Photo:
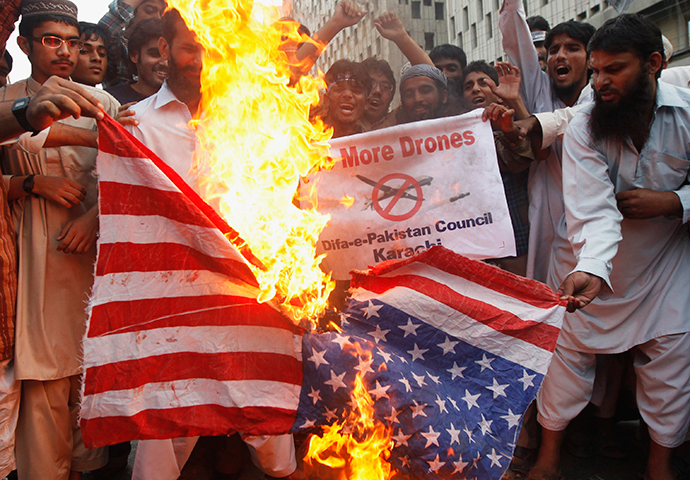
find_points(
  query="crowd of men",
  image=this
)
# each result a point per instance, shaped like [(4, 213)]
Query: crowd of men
[(593, 149)]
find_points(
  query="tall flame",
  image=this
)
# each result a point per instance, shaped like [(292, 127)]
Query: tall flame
[(359, 444), (255, 142)]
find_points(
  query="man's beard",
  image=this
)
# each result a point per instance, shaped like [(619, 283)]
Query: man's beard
[(188, 86), (628, 118)]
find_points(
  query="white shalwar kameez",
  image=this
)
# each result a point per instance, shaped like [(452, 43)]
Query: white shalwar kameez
[(545, 196), (646, 264), (164, 128)]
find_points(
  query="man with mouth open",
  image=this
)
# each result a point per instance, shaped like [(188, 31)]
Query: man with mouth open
[(624, 247), (349, 85), (564, 84), (93, 56)]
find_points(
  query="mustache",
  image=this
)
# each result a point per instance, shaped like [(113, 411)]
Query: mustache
[(69, 62)]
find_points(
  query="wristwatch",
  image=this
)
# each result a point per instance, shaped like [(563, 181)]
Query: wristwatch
[(28, 185), (19, 109)]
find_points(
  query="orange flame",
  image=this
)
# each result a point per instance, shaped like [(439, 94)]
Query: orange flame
[(360, 444), (348, 201), (255, 142)]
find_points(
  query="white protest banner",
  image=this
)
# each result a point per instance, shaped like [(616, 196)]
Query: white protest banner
[(399, 191)]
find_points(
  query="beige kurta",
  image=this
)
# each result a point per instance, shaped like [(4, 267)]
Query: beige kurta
[(53, 286)]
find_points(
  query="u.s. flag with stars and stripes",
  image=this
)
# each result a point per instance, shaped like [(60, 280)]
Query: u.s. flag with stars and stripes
[(452, 350)]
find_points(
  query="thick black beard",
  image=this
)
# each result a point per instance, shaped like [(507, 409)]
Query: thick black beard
[(563, 92), (628, 118)]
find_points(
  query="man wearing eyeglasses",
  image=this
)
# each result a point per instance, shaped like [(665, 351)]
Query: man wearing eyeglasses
[(348, 87), (53, 201)]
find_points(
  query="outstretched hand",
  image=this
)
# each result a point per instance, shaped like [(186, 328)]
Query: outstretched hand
[(579, 289), (509, 78), (59, 98)]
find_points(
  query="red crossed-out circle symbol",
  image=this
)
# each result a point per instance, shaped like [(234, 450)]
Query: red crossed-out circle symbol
[(408, 182)]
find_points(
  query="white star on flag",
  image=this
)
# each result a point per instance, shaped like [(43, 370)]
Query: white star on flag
[(435, 464), (393, 417), (317, 358), (526, 380), (379, 334), (379, 391), (372, 310), (405, 461), (468, 432), (314, 395), (401, 438), (454, 434), (436, 380), (476, 460), (471, 400), (485, 362), (441, 404), (448, 346), (406, 382), (330, 414), (456, 371), (418, 409), (336, 381), (402, 359), (485, 425), (364, 366), (494, 458), (431, 437), (459, 465), (419, 379), (386, 356), (410, 328), (454, 403), (341, 340), (417, 352), (512, 419), (309, 423), (499, 390)]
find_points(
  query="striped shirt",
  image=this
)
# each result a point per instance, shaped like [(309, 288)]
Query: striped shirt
[(8, 278)]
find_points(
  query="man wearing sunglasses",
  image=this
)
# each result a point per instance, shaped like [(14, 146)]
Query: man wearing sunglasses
[(53, 200), (349, 85)]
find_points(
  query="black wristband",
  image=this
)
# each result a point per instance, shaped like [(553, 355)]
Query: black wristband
[(28, 185), (19, 109)]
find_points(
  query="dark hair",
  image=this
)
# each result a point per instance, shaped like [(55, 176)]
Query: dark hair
[(538, 22), (170, 20), (143, 33), (374, 65), (27, 25), (449, 51), (628, 33), (343, 67), (9, 60), (92, 31), (579, 31), (483, 67)]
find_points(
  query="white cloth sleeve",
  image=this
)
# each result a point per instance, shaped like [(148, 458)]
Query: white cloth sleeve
[(592, 215), (553, 124)]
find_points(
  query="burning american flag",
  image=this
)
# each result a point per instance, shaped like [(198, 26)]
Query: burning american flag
[(451, 351)]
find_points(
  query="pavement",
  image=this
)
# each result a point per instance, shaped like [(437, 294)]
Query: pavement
[(596, 467)]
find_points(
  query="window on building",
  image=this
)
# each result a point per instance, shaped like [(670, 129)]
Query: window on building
[(581, 16), (473, 34), (427, 3), (429, 41), (378, 45), (524, 4), (452, 26), (480, 10), (499, 59), (416, 9), (544, 2), (440, 7), (465, 19), (369, 51), (497, 5), (489, 26), (459, 42), (594, 9)]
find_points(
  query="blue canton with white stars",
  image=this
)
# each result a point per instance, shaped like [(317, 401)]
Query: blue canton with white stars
[(455, 410)]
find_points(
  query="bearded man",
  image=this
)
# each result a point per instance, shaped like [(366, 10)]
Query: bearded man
[(626, 249)]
